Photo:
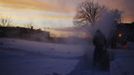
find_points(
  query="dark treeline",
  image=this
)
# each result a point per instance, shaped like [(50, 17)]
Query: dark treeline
[(24, 33)]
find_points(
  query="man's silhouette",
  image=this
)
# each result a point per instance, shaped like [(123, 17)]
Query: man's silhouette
[(101, 56)]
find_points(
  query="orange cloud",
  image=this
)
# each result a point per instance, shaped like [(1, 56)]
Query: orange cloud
[(128, 19), (33, 4), (22, 8)]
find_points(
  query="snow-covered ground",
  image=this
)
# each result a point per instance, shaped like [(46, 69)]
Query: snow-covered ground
[(123, 63), (20, 57), (44, 48)]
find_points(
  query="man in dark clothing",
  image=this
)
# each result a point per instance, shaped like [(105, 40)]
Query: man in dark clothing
[(100, 53)]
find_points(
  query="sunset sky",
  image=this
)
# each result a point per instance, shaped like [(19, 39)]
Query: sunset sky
[(55, 13)]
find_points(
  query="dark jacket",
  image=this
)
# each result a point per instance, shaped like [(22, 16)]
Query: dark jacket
[(99, 39)]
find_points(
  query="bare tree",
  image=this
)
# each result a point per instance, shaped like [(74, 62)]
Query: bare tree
[(5, 22), (88, 13)]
